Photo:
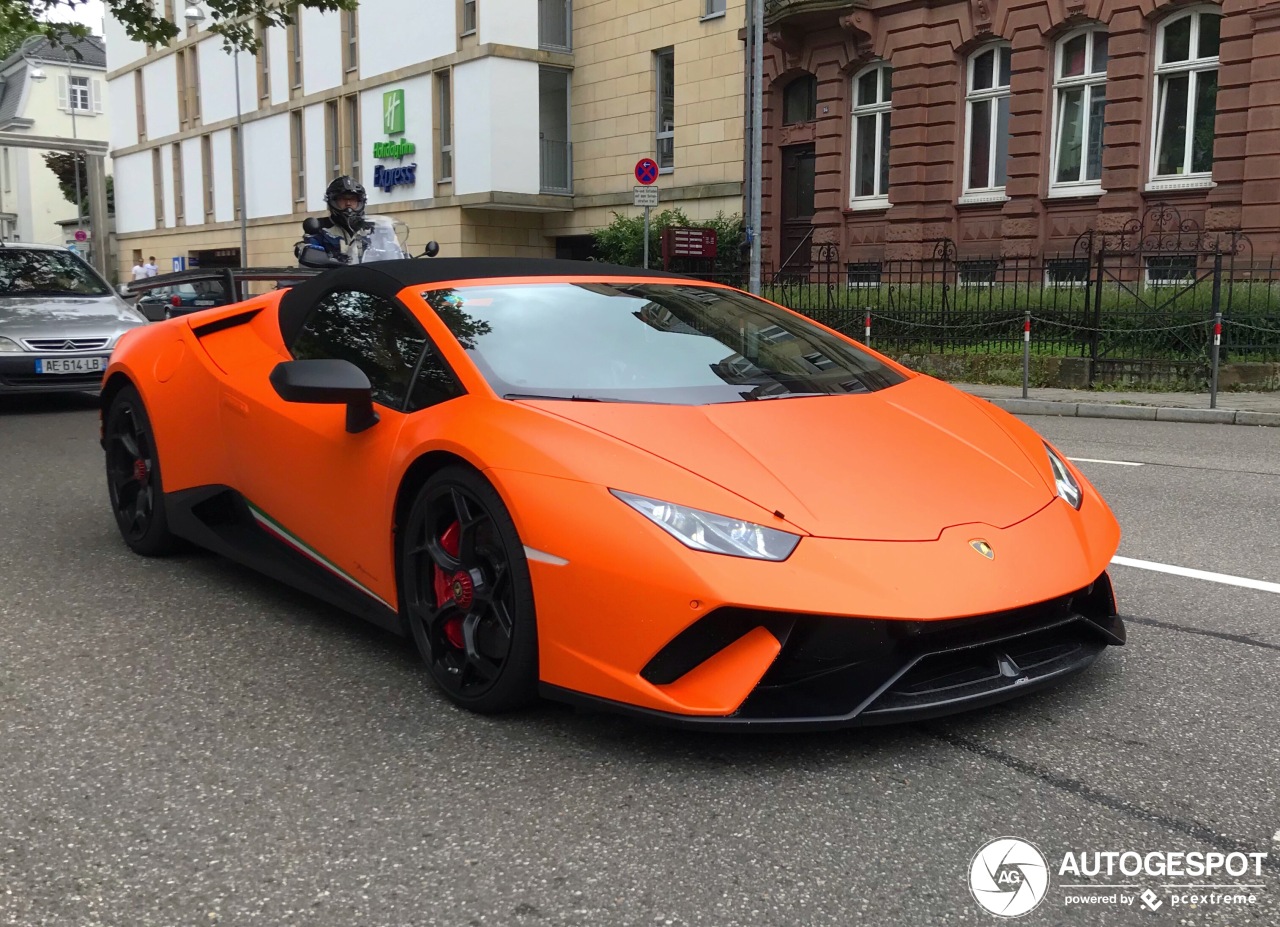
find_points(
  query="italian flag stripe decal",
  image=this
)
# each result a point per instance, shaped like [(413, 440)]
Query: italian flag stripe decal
[(292, 540)]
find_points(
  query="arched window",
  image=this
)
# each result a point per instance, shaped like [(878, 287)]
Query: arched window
[(987, 119), (1079, 104), (800, 100), (1186, 93), (869, 136)]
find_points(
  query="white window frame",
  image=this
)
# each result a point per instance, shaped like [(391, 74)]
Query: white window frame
[(73, 98), (469, 28), (1061, 85), (658, 132), (880, 110), (1193, 67), (992, 193)]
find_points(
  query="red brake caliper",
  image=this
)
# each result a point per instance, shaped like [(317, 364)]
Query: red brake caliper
[(140, 471), (456, 588)]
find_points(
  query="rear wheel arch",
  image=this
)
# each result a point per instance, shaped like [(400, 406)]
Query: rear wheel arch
[(116, 382)]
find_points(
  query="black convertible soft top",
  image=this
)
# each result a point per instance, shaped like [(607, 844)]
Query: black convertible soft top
[(387, 278)]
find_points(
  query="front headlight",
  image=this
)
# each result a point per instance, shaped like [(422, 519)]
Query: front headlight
[(716, 534), (1064, 482), (8, 346)]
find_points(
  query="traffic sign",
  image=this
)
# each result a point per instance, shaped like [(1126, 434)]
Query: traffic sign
[(82, 235), (646, 171), (644, 196)]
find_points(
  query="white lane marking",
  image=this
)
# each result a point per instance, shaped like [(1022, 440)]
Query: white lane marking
[(1118, 463), (1223, 578)]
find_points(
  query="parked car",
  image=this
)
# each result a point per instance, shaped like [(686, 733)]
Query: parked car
[(167, 296), (59, 320), (619, 488)]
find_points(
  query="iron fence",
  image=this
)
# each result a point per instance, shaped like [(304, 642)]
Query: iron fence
[(1137, 314)]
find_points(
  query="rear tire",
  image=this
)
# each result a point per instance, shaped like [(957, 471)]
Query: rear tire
[(133, 476), (467, 593)]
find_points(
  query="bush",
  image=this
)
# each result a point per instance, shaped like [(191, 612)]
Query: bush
[(622, 240)]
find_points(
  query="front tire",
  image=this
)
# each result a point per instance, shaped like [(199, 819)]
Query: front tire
[(133, 476), (467, 593)]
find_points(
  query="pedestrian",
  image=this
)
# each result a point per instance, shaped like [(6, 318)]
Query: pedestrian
[(150, 266)]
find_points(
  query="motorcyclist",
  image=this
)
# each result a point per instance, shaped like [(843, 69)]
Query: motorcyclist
[(327, 241)]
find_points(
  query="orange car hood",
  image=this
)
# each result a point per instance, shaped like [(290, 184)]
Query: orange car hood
[(901, 464)]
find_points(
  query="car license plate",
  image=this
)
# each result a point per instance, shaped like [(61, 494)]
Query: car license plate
[(204, 302), (71, 364)]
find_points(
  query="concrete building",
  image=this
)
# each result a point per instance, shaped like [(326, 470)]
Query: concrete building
[(1010, 127), (491, 126), (52, 92)]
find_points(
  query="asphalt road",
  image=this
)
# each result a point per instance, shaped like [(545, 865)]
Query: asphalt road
[(182, 742)]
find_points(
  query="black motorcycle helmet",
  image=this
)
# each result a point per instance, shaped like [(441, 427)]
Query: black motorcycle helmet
[(349, 218)]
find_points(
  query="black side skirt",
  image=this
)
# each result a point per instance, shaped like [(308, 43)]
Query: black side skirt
[(218, 518)]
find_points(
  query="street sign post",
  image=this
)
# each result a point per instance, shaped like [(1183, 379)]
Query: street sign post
[(82, 235), (646, 195)]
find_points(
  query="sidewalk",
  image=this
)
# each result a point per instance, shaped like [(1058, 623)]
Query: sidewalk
[(1233, 408)]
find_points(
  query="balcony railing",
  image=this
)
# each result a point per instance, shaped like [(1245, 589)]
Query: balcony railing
[(555, 25), (557, 166)]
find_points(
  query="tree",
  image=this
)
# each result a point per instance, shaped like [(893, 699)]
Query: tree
[(64, 163), (234, 20), (10, 42)]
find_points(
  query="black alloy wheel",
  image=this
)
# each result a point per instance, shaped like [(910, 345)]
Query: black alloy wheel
[(467, 593), (133, 476)]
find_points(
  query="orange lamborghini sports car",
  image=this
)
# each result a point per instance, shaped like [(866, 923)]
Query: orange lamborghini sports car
[(621, 488)]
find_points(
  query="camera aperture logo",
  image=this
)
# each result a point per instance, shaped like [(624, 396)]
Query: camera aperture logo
[(1009, 877)]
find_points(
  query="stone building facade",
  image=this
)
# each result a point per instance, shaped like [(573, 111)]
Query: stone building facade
[(1011, 127)]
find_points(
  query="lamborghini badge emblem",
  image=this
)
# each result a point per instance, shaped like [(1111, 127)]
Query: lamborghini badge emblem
[(983, 548)]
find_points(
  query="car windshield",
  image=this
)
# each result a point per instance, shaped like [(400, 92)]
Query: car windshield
[(27, 272), (649, 342)]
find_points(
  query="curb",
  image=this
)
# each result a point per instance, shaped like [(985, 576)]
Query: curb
[(1142, 413)]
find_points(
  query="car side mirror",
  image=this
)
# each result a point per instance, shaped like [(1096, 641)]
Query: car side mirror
[(432, 249), (330, 382)]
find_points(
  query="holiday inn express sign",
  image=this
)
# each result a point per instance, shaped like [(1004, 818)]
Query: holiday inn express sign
[(386, 177)]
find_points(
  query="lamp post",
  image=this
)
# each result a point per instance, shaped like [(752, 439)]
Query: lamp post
[(194, 15)]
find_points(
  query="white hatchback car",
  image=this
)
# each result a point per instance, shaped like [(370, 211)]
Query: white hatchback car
[(59, 320)]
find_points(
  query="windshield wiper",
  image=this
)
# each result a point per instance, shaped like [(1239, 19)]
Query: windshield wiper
[(544, 396), (751, 398)]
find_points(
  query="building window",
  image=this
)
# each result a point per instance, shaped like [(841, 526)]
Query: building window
[(180, 73), (157, 186), (139, 104), (444, 128), (1060, 272), (6, 171), (352, 130), (264, 62), (297, 140), (869, 142), (863, 273), (712, 8), (978, 273), (1171, 270), (179, 190), (468, 17), (351, 41), (553, 131), (800, 100), (332, 157), (1186, 93), (206, 167), (665, 66), (193, 86), (295, 52), (987, 119), (79, 99), (555, 30), (237, 167), (1079, 105)]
